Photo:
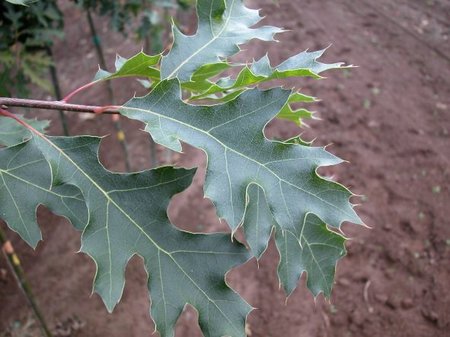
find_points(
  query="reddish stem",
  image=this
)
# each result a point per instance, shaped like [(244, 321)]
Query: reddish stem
[(6, 113), (57, 105), (76, 91)]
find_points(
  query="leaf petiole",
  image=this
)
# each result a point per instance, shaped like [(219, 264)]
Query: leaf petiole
[(78, 90), (6, 113)]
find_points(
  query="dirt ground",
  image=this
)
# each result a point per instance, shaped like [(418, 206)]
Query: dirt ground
[(390, 118)]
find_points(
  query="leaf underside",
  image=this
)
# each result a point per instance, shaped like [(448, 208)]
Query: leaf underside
[(314, 250), (286, 172), (128, 217), (238, 153)]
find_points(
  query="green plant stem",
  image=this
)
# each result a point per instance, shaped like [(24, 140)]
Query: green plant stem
[(16, 268), (57, 89), (101, 59)]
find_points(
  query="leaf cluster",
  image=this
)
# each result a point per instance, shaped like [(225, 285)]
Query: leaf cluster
[(266, 187)]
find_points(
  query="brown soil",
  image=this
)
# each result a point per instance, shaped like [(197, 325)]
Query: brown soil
[(390, 118)]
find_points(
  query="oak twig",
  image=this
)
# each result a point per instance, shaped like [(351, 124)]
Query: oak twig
[(57, 105)]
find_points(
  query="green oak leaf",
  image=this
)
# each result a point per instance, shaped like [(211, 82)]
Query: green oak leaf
[(300, 65), (222, 26), (227, 89), (139, 65), (231, 135), (200, 78), (296, 115), (313, 248), (12, 133), (26, 183), (304, 64), (209, 70), (128, 217)]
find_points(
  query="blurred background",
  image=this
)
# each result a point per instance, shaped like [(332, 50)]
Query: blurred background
[(390, 118)]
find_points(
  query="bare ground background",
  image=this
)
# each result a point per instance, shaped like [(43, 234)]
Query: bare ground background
[(389, 118)]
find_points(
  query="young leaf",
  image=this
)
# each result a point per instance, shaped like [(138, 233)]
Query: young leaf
[(140, 65), (12, 133), (209, 70), (315, 249), (296, 115), (200, 78), (128, 217), (222, 26), (238, 153), (300, 65), (25, 183)]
